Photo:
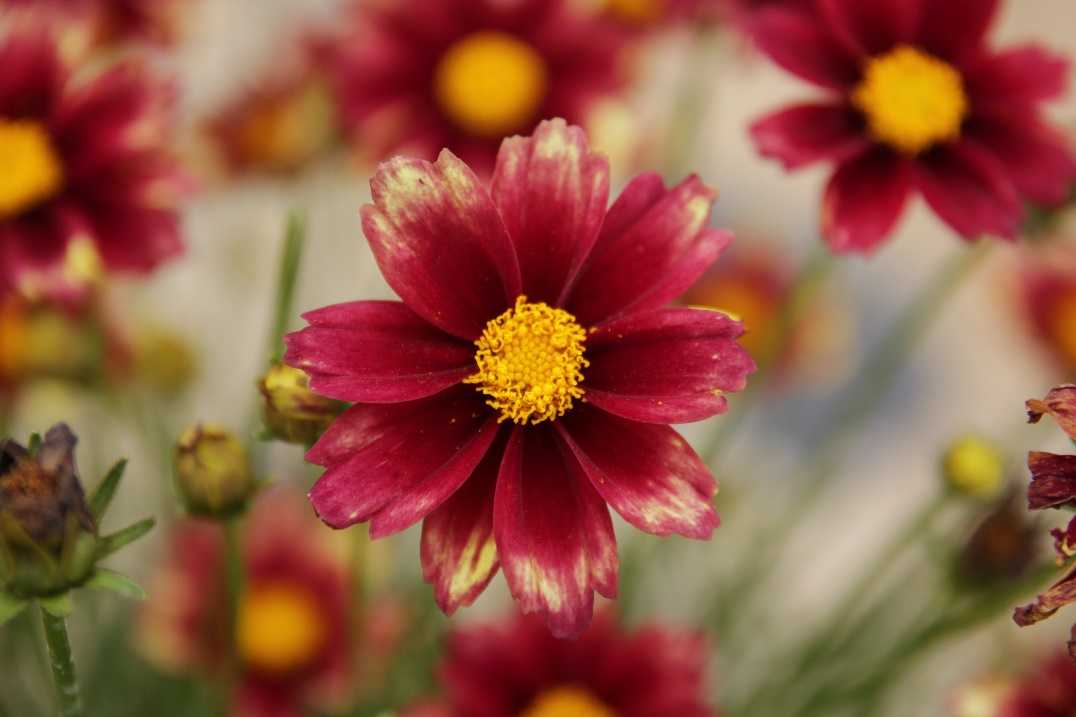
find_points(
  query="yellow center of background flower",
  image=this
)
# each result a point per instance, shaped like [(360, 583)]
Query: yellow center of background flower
[(30, 171), (529, 360), (491, 84), (911, 100), (567, 701), (280, 628), (1061, 324)]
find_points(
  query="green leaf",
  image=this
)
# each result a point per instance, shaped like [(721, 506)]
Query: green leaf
[(102, 494), (11, 606), (33, 443), (111, 543), (57, 605), (120, 584)]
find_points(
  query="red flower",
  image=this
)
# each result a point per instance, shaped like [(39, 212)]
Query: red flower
[(1048, 281), (415, 76), (918, 103), (1049, 690), (115, 21), (519, 669), (288, 636), (86, 178), (511, 452)]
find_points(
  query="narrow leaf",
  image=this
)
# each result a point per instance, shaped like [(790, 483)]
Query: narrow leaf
[(102, 494), (111, 543), (10, 606), (120, 584), (33, 443), (58, 605)]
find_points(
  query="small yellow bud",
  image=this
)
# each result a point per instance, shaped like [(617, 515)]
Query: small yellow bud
[(290, 410), (213, 472), (974, 467)]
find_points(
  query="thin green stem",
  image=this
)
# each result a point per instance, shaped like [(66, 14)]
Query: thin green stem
[(62, 663), (290, 259)]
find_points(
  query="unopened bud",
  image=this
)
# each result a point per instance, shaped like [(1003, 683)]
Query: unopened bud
[(47, 534), (291, 411), (213, 472), (974, 467)]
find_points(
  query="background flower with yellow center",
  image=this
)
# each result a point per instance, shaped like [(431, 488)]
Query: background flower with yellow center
[(918, 104), (523, 270), (415, 76), (76, 178)]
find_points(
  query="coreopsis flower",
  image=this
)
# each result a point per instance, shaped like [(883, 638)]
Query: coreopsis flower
[(1048, 288), (292, 631), (87, 182), (917, 103), (518, 668), (526, 378), (1053, 485), (415, 76)]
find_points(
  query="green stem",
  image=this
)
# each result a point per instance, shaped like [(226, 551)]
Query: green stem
[(63, 665), (234, 564), (290, 256)]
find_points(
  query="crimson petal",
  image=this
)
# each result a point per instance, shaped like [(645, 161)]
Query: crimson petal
[(554, 534), (440, 244), (863, 201), (1035, 156), (551, 192), (953, 29), (1018, 76), (647, 473), (808, 133), (969, 190), (870, 28), (653, 246), (459, 553), (392, 464), (1053, 480), (796, 40), (377, 352), (666, 366)]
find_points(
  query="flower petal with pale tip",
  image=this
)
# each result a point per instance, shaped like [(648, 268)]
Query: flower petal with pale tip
[(653, 246), (392, 464), (1060, 403), (551, 191), (377, 352), (554, 534), (630, 360), (459, 553), (647, 473), (440, 244)]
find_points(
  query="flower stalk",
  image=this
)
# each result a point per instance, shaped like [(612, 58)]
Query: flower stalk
[(62, 664)]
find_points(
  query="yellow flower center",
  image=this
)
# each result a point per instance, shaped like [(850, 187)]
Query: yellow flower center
[(280, 628), (491, 83), (911, 100), (1061, 324), (567, 701), (30, 171), (974, 467), (529, 360)]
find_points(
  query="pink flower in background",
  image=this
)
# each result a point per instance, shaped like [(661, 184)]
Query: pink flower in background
[(917, 104), (512, 452), (1047, 690), (518, 669), (292, 635), (116, 21), (416, 76), (87, 180), (1048, 288)]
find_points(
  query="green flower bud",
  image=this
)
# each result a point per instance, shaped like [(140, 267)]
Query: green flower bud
[(213, 472), (47, 533), (290, 410)]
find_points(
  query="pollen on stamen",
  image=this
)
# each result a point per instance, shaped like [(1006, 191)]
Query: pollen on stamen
[(529, 362)]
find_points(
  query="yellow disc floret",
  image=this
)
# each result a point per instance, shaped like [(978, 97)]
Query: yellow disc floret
[(529, 360), (30, 170), (280, 628), (567, 701), (911, 100), (491, 83)]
